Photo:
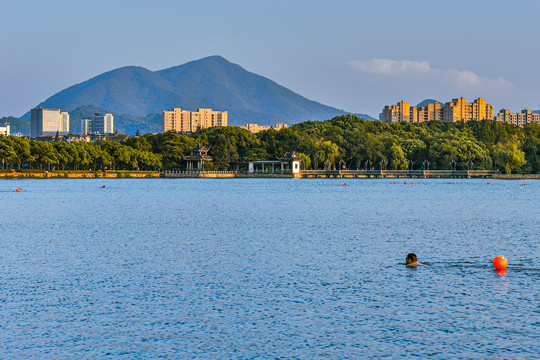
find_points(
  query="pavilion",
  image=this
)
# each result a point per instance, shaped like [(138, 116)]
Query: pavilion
[(288, 163), (197, 158)]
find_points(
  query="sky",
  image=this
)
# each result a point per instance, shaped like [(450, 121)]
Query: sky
[(353, 55)]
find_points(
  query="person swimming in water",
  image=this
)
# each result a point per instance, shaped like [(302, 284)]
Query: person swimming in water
[(412, 260)]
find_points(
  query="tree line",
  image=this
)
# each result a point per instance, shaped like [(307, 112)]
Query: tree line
[(342, 142)]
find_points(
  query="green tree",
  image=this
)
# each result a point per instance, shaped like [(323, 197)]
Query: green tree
[(508, 154), (396, 159), (7, 153), (21, 147), (223, 152), (44, 153)]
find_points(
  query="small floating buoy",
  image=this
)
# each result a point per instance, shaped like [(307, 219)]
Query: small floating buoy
[(500, 262), (488, 183), (344, 184), (18, 189), (522, 184), (103, 187)]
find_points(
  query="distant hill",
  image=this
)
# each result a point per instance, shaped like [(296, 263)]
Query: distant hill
[(428, 101), (212, 82), (16, 125)]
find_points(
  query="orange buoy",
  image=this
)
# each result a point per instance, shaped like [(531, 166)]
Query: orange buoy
[(522, 184), (500, 262), (488, 183), (344, 184), (18, 190)]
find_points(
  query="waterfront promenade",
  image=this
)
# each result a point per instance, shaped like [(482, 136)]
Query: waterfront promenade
[(353, 174), (308, 174)]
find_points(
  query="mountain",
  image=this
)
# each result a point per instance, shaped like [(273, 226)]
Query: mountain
[(16, 125), (428, 101), (212, 82)]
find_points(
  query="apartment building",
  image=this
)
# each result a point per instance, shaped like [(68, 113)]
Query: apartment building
[(256, 128), (455, 110), (460, 110), (179, 120), (47, 122), (526, 116), (5, 130)]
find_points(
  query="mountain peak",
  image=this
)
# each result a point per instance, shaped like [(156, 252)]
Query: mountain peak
[(210, 82)]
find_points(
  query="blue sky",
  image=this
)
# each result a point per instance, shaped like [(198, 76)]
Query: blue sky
[(353, 55)]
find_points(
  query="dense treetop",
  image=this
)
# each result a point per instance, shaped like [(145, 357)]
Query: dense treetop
[(349, 140)]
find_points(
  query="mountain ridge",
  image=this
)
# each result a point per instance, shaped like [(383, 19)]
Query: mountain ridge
[(211, 82)]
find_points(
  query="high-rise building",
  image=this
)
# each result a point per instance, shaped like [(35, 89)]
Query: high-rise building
[(103, 123), (526, 116), (403, 111), (456, 110), (180, 120), (86, 126), (5, 130), (460, 110), (46, 122)]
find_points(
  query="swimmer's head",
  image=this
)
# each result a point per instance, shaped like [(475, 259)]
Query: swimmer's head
[(411, 258)]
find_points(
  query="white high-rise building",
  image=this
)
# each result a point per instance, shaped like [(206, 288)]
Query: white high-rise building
[(48, 122), (5, 130)]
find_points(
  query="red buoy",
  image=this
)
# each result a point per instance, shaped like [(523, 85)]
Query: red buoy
[(500, 262)]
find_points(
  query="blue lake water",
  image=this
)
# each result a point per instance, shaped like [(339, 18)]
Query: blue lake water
[(268, 268)]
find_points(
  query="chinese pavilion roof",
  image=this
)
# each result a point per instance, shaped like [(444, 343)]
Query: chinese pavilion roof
[(198, 153), (198, 149)]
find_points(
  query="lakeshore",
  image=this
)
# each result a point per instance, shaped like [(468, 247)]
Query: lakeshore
[(307, 174)]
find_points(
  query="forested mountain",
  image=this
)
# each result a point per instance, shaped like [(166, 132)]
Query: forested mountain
[(212, 82)]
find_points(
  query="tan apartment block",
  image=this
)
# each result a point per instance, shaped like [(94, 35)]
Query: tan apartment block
[(403, 111), (460, 110), (256, 128), (526, 116), (179, 120), (456, 110), (396, 113)]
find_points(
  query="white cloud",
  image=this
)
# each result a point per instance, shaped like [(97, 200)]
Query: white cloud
[(462, 79), (391, 67)]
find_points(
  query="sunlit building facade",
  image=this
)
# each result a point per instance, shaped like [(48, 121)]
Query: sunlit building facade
[(179, 120), (46, 122), (526, 116), (256, 128), (455, 110), (5, 130)]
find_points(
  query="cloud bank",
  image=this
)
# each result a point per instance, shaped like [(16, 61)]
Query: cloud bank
[(462, 79)]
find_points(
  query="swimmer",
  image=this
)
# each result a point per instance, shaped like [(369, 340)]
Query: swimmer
[(412, 261)]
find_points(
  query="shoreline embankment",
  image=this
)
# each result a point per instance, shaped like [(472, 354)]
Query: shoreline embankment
[(129, 174)]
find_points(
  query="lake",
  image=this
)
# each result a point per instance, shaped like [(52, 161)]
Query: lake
[(269, 268)]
